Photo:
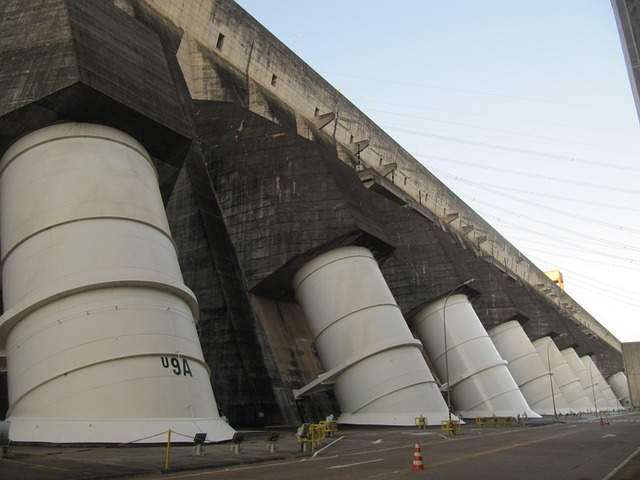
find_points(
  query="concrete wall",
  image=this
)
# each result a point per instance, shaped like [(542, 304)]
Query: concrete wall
[(253, 57), (631, 353), (627, 13)]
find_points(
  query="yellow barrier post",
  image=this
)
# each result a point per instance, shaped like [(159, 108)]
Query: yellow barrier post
[(314, 433), (330, 427), (452, 427), (481, 421), (318, 432), (166, 461)]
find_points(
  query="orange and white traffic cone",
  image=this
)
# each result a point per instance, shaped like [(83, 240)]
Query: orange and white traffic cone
[(417, 458)]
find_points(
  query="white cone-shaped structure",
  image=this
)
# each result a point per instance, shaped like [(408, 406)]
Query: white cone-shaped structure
[(580, 371), (607, 391), (610, 397), (594, 390), (364, 342), (98, 327), (562, 374), (609, 394), (479, 380), (527, 369), (620, 386)]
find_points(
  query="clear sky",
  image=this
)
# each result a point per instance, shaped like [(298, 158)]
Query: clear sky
[(522, 108)]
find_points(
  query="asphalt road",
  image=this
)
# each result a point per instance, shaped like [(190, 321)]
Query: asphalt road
[(575, 451), (578, 450)]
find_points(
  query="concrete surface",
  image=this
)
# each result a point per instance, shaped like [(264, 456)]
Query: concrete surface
[(573, 447)]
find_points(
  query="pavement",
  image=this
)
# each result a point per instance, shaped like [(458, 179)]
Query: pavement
[(46, 462), (40, 462)]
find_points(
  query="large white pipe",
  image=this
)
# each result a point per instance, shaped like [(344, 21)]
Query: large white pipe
[(528, 370), (364, 343), (479, 380), (580, 371), (610, 397), (99, 328), (608, 393), (620, 386), (562, 374), (594, 390)]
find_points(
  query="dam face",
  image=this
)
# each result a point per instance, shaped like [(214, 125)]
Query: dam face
[(162, 247)]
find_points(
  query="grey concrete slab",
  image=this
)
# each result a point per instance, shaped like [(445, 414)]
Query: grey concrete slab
[(581, 449)]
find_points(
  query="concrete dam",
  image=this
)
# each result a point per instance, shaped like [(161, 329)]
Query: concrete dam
[(196, 228)]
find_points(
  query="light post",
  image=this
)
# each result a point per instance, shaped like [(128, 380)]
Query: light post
[(593, 386), (553, 397), (446, 352)]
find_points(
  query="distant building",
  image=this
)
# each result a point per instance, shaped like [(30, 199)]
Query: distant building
[(627, 13), (556, 277), (631, 353)]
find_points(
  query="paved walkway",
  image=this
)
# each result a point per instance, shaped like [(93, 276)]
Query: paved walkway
[(27, 462)]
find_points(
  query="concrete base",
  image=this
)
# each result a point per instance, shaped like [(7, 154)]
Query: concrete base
[(117, 431)]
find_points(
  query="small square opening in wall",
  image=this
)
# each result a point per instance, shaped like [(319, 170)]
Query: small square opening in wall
[(220, 42), (274, 80), (317, 111)]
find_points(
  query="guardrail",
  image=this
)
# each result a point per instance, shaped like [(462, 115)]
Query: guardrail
[(452, 427), (310, 435), (498, 422)]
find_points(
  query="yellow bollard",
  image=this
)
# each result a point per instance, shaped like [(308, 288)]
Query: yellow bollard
[(166, 462)]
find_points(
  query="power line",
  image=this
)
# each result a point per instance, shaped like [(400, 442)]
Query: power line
[(570, 242), (579, 279), (556, 210), (498, 117), (558, 250), (475, 92), (503, 131), (556, 228), (530, 245), (517, 150), (566, 242), (531, 175), (546, 195)]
